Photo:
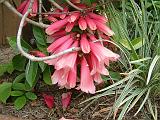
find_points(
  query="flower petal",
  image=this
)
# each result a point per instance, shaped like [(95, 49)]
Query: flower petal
[(57, 25), (62, 16), (58, 42), (82, 24), (105, 29), (84, 44), (97, 78), (103, 54), (86, 82), (91, 24), (22, 6), (99, 18), (69, 26), (73, 17), (34, 8), (72, 77)]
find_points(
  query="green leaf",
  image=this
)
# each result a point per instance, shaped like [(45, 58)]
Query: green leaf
[(39, 34), (88, 2), (12, 42), (17, 93), (47, 76), (113, 75), (27, 86), (31, 96), (31, 72), (8, 67), (19, 62), (41, 48), (42, 65), (20, 102), (18, 86), (19, 78), (137, 43), (5, 91)]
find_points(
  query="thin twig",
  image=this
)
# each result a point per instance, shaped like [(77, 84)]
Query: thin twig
[(1, 1), (31, 57), (10, 7), (56, 5), (40, 11), (74, 6)]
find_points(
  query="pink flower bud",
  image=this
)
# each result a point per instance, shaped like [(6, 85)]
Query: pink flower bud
[(66, 99), (82, 24)]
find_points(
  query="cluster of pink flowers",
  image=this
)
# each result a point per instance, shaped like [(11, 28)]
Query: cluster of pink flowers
[(93, 56), (84, 68)]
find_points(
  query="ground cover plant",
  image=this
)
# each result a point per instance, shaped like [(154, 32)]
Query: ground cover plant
[(74, 48)]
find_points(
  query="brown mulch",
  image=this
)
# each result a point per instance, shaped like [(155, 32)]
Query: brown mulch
[(37, 110)]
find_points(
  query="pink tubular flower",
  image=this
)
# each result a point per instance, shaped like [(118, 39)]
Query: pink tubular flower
[(97, 78), (56, 26), (66, 61), (96, 17), (69, 26), (73, 17), (62, 16), (91, 24), (65, 71), (60, 77), (82, 24), (84, 44), (58, 42), (72, 78), (96, 66), (86, 82), (65, 77), (52, 19), (103, 54), (92, 37), (24, 7), (58, 34), (66, 99), (105, 29)]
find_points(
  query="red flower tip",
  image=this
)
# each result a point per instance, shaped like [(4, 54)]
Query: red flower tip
[(49, 100), (37, 53), (66, 99)]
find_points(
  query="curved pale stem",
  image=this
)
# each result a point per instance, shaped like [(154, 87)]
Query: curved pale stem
[(31, 57)]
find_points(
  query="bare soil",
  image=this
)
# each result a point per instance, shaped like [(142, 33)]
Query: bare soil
[(98, 110)]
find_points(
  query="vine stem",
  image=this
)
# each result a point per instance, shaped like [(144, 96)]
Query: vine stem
[(31, 57), (10, 7), (56, 5), (74, 6), (40, 11)]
